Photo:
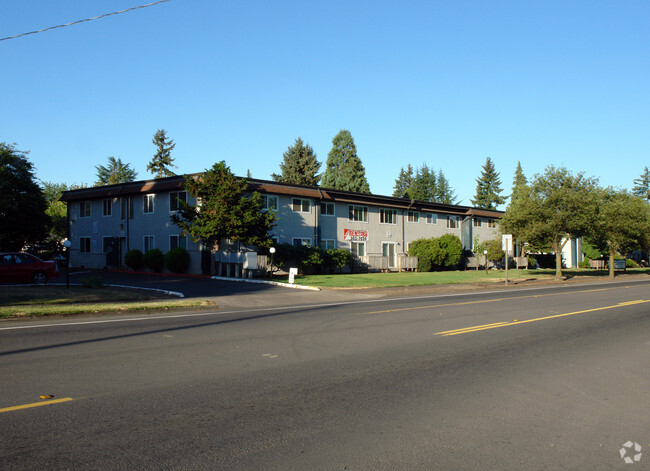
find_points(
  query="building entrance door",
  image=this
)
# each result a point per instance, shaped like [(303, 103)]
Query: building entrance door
[(388, 250)]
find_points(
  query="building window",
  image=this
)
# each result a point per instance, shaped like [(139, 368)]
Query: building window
[(106, 242), (327, 209), (127, 208), (453, 222), (84, 244), (413, 216), (491, 223), (388, 216), (478, 222), (327, 244), (175, 198), (298, 241), (270, 202), (358, 213), (108, 207), (300, 205), (148, 243), (176, 241), (148, 204), (84, 209), (432, 218), (358, 248)]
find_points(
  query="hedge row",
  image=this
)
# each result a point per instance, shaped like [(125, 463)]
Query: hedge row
[(176, 260)]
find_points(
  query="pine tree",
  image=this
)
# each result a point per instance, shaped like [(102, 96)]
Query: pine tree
[(299, 165), (404, 183), (445, 193), (488, 188), (642, 185), (162, 159), (114, 172), (344, 170)]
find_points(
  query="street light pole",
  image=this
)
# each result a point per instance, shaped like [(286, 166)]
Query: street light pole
[(486, 262), (66, 245), (271, 251)]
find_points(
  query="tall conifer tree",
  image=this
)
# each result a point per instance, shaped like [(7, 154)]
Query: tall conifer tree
[(344, 170), (299, 165), (488, 188), (162, 159)]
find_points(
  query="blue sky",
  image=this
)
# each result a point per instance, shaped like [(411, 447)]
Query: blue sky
[(446, 83)]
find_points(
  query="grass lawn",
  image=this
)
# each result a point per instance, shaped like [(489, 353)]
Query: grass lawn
[(22, 301), (378, 280)]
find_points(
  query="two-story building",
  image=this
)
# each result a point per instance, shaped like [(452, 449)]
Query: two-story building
[(107, 221)]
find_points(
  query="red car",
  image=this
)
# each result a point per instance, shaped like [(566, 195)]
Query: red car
[(22, 267)]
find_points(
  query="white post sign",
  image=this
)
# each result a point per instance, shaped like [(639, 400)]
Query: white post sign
[(292, 274), (506, 245)]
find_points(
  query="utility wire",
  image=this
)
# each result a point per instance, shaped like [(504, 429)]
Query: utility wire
[(87, 19)]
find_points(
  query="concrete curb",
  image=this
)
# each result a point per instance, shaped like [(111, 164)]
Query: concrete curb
[(265, 282), (163, 291)]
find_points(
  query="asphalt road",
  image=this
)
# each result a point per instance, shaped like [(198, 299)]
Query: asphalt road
[(434, 382)]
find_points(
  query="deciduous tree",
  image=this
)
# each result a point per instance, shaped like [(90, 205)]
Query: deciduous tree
[(555, 207), (299, 165), (162, 159), (114, 172), (622, 225), (22, 205), (227, 210), (344, 170), (488, 188)]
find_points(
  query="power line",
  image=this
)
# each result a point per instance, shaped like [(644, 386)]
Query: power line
[(87, 19)]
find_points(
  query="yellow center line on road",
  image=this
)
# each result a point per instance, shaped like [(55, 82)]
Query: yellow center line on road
[(496, 325), (35, 404), (466, 303)]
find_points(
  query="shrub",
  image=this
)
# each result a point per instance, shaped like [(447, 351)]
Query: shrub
[(338, 259), (154, 259), (584, 264), (453, 248), (629, 263), (177, 260), (495, 252), (134, 259)]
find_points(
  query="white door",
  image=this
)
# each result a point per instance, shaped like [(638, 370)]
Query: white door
[(388, 250)]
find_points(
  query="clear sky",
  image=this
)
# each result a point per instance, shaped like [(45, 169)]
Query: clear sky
[(446, 83)]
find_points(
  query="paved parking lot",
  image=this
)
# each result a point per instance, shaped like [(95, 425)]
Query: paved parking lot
[(226, 294)]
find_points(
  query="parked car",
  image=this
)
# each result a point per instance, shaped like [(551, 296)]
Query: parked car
[(25, 268)]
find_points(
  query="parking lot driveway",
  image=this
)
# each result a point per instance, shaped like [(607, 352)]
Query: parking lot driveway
[(226, 294)]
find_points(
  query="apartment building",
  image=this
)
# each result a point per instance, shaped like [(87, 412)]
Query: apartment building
[(107, 221)]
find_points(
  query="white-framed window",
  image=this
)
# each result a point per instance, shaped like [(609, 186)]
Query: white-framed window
[(327, 244), (107, 206), (148, 204), (175, 197), (270, 202), (358, 213), (358, 248), (327, 209), (176, 241), (84, 209), (148, 243), (387, 216), (432, 218), (298, 241), (478, 222), (413, 216), (84, 244), (126, 207), (301, 205), (453, 222), (491, 223)]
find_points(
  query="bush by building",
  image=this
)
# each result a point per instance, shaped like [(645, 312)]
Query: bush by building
[(177, 260), (134, 259), (154, 260)]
